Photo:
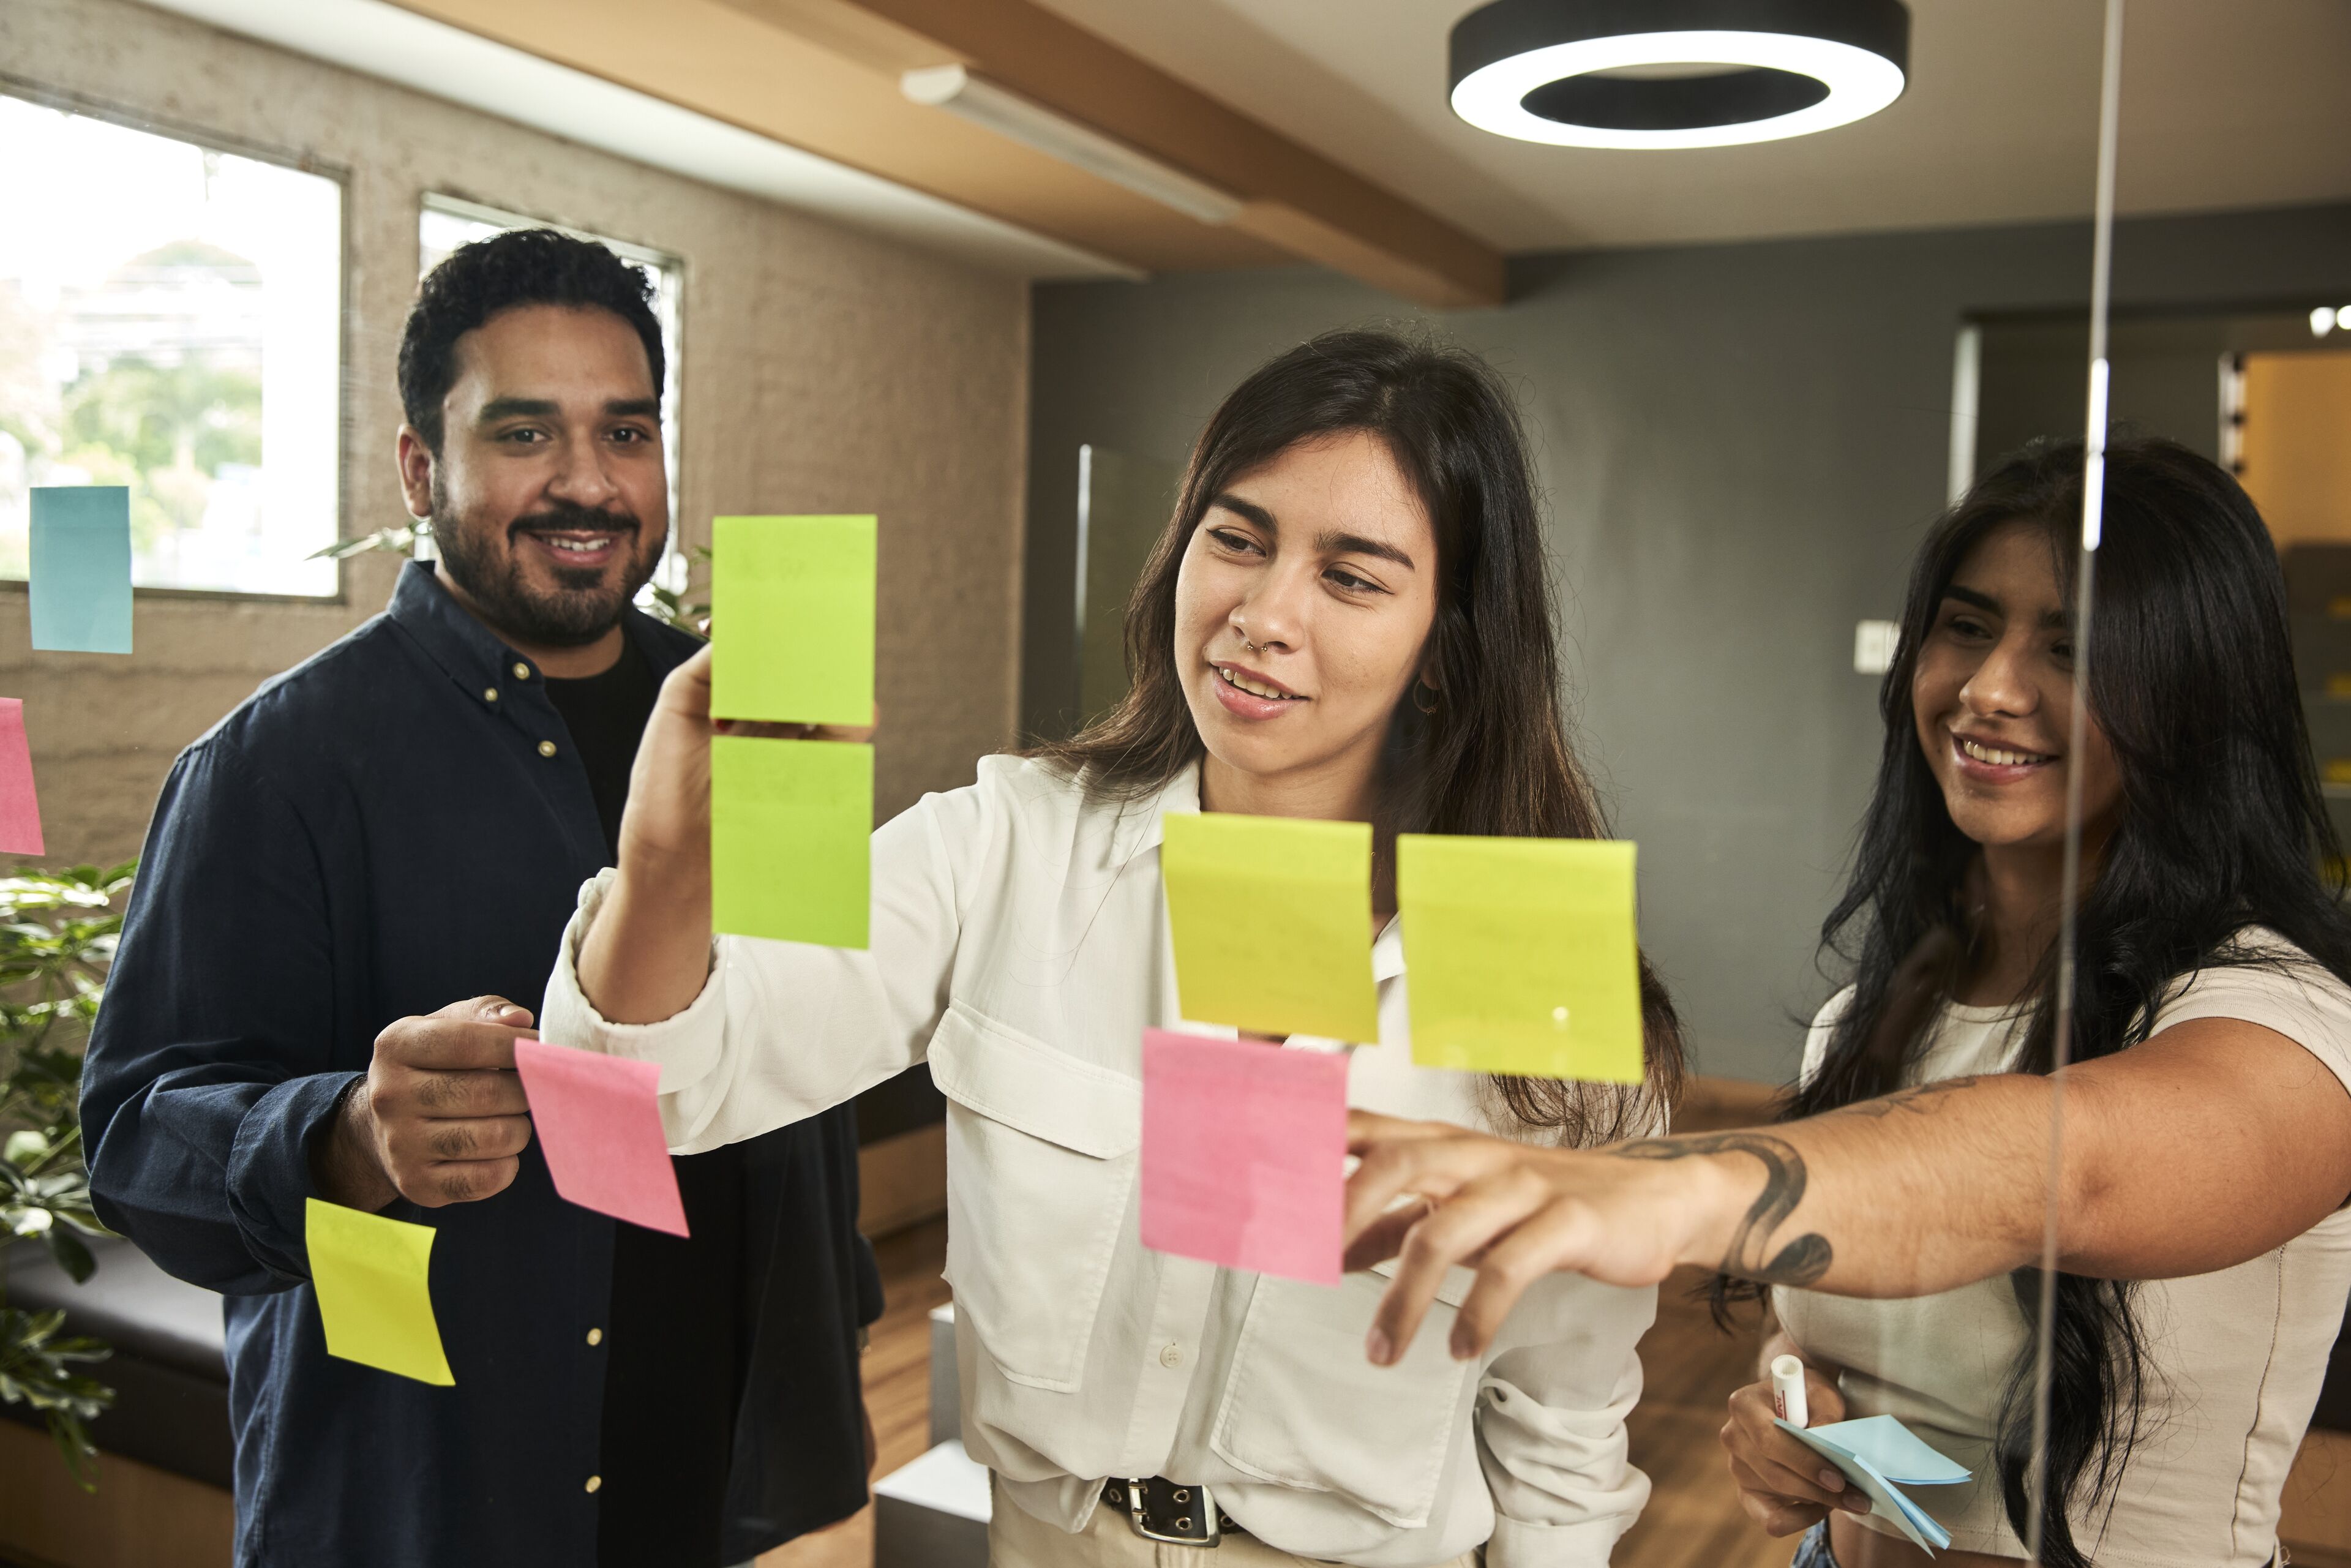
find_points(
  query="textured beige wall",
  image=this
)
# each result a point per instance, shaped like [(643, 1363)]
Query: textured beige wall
[(823, 372)]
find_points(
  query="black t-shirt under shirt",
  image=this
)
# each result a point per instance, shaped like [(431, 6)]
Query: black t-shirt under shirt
[(676, 1336)]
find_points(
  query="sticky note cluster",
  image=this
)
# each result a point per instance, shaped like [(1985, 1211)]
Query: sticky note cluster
[(1522, 953), (1244, 1154), (370, 1273), (791, 619), (1881, 1456)]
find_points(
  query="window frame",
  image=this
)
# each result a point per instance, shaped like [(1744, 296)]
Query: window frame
[(69, 102)]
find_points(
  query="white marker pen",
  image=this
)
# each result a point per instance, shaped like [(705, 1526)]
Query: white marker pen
[(1788, 1391)]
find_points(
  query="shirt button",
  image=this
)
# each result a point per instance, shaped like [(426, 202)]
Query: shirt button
[(547, 748), (489, 694), (595, 1336), (1172, 1357), (522, 671), (595, 1481)]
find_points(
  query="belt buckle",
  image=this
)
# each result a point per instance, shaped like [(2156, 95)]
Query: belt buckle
[(1183, 1496)]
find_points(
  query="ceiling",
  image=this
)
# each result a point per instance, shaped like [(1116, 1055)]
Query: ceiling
[(1326, 122), (397, 44), (2227, 103)]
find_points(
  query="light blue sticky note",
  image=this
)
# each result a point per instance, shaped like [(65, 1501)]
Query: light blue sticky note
[(1893, 1450), (1899, 1445), (81, 568)]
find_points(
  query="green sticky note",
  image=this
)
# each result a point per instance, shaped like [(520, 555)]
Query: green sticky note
[(792, 828), (791, 619), (1522, 955), (370, 1274), (1271, 918)]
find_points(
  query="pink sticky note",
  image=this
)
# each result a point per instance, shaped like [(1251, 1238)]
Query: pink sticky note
[(1244, 1154), (20, 811), (597, 1121)]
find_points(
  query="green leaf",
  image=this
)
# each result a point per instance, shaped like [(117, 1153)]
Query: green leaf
[(72, 1253)]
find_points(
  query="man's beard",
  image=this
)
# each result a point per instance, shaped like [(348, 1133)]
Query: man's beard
[(582, 608)]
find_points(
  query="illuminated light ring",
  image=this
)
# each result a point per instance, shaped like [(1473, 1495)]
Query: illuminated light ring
[(1791, 81)]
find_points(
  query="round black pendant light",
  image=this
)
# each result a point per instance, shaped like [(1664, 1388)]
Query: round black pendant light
[(1679, 73)]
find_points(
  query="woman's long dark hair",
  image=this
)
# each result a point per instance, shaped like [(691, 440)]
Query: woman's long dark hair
[(1493, 758), (2220, 825)]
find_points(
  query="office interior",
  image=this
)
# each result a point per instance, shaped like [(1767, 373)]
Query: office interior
[(1752, 375)]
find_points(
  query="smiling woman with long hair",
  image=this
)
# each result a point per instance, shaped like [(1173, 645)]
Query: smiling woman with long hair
[(1348, 617), (2202, 1231)]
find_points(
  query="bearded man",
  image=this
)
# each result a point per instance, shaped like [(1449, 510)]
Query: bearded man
[(351, 897)]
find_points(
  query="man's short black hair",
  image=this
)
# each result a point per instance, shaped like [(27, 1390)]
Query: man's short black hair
[(521, 267)]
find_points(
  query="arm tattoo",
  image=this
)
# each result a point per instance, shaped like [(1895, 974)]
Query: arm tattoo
[(1917, 1101), (1800, 1262)]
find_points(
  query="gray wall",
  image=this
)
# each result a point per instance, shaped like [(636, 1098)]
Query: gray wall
[(1740, 445)]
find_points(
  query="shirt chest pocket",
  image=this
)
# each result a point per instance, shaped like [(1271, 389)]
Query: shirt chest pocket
[(1041, 1167), (1305, 1409)]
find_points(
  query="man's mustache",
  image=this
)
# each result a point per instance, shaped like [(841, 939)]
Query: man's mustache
[(575, 518)]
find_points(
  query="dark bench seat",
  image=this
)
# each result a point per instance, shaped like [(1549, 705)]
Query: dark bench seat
[(169, 1372)]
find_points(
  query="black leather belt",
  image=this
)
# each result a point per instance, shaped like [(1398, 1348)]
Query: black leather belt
[(1162, 1510)]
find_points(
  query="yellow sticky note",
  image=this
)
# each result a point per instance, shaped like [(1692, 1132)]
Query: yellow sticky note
[(791, 829), (370, 1273), (791, 619), (1271, 918), (1520, 955)]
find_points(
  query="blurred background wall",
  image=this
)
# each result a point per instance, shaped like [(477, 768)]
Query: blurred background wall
[(1740, 445)]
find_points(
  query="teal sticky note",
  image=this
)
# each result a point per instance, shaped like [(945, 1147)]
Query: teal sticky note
[(791, 824), (81, 568)]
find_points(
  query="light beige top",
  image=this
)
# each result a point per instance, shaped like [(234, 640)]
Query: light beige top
[(2236, 1356)]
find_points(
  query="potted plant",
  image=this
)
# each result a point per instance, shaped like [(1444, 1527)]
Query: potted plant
[(57, 931)]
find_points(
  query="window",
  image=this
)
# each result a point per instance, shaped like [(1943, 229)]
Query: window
[(448, 221), (170, 321)]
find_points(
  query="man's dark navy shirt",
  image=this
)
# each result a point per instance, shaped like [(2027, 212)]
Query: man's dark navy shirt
[(400, 822)]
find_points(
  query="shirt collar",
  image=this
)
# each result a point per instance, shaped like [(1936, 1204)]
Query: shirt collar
[(479, 659), (1139, 830), (1138, 827), (470, 651)]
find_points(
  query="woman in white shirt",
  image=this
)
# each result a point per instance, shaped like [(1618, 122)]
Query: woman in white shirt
[(1347, 617), (2202, 1239)]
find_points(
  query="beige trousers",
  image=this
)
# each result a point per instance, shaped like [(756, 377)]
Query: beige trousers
[(1016, 1540)]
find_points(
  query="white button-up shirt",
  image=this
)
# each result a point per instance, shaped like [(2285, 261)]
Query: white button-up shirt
[(1020, 945)]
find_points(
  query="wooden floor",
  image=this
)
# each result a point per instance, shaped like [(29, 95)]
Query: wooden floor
[(897, 1387)]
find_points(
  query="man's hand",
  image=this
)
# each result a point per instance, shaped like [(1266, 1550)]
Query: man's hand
[(441, 1116)]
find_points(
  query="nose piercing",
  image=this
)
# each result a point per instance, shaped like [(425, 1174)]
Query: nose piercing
[(1250, 646)]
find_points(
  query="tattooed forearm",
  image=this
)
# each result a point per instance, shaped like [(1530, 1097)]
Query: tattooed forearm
[(1918, 1100), (1801, 1260)]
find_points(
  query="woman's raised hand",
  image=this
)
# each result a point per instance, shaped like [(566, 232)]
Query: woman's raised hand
[(666, 827), (647, 954), (1625, 1215), (1784, 1486), (665, 830)]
